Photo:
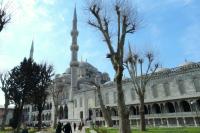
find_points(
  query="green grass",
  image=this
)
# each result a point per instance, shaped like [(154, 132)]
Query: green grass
[(31, 130), (151, 130)]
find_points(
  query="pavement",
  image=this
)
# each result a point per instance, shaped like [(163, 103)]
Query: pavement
[(76, 131)]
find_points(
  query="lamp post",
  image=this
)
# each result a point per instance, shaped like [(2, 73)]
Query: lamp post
[(194, 103)]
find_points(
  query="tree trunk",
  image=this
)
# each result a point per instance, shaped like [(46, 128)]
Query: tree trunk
[(5, 112), (39, 119), (20, 118), (142, 116), (124, 124), (55, 116), (105, 111)]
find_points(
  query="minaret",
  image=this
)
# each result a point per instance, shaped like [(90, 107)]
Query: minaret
[(32, 50), (74, 55)]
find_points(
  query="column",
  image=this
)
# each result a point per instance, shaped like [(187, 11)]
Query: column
[(167, 122), (137, 123), (177, 122), (161, 121), (195, 122), (184, 122), (154, 124)]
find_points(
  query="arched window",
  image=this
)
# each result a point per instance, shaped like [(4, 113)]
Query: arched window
[(145, 109), (81, 115), (49, 116), (170, 107), (132, 110), (113, 112), (66, 112), (42, 116), (101, 115), (156, 108), (50, 105), (90, 114), (61, 112), (185, 106)]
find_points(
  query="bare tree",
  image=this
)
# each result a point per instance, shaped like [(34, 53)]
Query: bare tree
[(105, 111), (56, 90), (124, 23), (4, 87), (140, 77), (5, 17)]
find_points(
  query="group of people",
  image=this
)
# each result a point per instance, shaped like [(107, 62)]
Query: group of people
[(67, 127)]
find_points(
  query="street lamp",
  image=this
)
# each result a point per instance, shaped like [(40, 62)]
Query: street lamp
[(194, 102)]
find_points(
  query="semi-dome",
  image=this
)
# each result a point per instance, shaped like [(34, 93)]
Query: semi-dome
[(187, 63), (88, 66), (161, 69), (68, 71)]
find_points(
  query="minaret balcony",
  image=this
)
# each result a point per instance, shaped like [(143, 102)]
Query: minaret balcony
[(74, 64), (74, 33), (74, 47)]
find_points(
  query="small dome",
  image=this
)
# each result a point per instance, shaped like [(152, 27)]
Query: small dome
[(187, 63), (57, 75), (68, 71), (162, 69)]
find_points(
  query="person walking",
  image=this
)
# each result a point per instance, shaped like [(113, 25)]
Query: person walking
[(25, 130), (59, 128), (67, 128), (74, 126), (80, 127)]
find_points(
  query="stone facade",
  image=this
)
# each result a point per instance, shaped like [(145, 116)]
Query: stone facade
[(9, 115), (172, 96)]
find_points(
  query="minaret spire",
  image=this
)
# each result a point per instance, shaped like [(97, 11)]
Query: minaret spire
[(74, 55), (32, 50)]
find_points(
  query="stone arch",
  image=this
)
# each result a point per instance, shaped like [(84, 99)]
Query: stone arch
[(185, 106), (42, 117), (81, 115), (90, 114), (170, 107), (47, 106), (49, 116), (61, 112), (145, 109), (101, 114), (137, 110), (50, 105), (156, 108), (97, 113), (132, 110), (198, 104), (113, 112), (66, 112)]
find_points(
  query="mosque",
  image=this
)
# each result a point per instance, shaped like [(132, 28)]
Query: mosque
[(172, 96)]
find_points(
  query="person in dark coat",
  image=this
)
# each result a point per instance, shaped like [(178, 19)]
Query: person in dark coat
[(59, 128), (25, 130), (67, 128), (74, 126)]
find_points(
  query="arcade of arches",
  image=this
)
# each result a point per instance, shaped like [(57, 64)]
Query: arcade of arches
[(169, 113)]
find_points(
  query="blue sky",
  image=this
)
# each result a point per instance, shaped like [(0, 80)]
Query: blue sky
[(171, 28)]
